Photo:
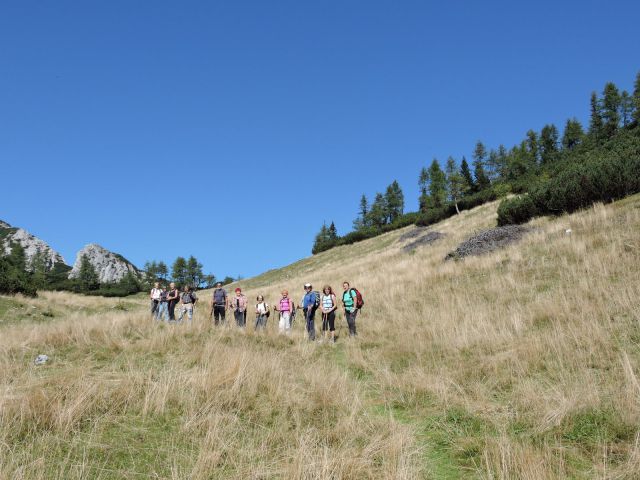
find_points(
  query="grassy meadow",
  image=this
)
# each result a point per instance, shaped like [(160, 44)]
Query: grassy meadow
[(520, 364)]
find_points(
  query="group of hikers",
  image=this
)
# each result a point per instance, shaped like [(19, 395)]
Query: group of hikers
[(164, 302)]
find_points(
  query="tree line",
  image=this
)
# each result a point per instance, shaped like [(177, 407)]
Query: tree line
[(183, 272), (496, 172)]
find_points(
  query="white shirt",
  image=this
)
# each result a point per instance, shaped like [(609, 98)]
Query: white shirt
[(155, 293), (262, 308)]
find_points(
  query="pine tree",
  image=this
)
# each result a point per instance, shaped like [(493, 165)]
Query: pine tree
[(321, 242), (179, 272), (481, 179), (423, 184), (492, 165), (548, 144), (573, 134), (455, 182), (87, 276), (38, 268), (361, 220), (610, 109), (333, 233), (595, 121), (378, 213), (636, 100), (162, 270), (13, 276), (465, 172), (194, 272), (438, 185), (533, 147), (394, 201), (502, 161), (626, 108)]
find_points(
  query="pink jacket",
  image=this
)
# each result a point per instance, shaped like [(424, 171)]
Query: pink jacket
[(238, 302)]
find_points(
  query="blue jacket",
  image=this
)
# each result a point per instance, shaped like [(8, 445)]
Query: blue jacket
[(309, 300)]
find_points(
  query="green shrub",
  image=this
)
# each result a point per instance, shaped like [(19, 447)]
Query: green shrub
[(605, 174), (516, 210)]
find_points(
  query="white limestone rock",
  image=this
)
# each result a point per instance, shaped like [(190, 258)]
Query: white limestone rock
[(32, 246), (109, 266)]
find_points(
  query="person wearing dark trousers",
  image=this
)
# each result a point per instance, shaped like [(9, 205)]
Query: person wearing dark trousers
[(173, 296), (219, 304), (239, 307), (309, 308), (329, 306), (350, 308)]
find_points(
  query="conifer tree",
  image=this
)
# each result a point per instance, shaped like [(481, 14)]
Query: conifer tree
[(533, 147), (321, 242), (394, 201), (502, 161), (465, 172), (573, 134), (479, 156), (194, 272), (162, 270), (636, 100), (626, 108), (455, 182), (610, 109), (179, 271), (38, 267), (378, 212), (87, 276), (423, 184), (438, 185), (548, 144), (363, 211), (332, 233), (595, 121)]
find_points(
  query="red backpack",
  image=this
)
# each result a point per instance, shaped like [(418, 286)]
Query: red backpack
[(359, 300)]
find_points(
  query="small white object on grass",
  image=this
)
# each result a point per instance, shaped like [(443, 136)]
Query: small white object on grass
[(568, 231), (41, 359)]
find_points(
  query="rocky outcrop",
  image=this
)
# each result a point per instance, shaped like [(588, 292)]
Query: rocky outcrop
[(32, 245), (109, 266)]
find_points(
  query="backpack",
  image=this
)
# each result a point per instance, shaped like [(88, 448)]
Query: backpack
[(316, 301), (359, 300)]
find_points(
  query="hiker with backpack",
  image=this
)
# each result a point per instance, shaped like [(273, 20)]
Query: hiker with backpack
[(239, 307), (219, 304), (173, 297), (262, 313), (154, 296), (163, 309), (310, 303), (328, 306), (352, 301), (188, 300), (286, 308)]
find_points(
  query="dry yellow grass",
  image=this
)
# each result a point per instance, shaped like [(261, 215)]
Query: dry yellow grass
[(520, 364)]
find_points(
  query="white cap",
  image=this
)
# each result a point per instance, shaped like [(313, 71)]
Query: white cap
[(307, 285)]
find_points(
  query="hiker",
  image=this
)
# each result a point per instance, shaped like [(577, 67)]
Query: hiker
[(349, 300), (309, 306), (163, 309), (188, 300), (328, 306), (286, 308), (173, 296), (219, 304), (262, 313), (154, 296), (239, 307)]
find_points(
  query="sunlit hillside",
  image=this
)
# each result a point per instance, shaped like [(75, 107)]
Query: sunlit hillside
[(522, 363)]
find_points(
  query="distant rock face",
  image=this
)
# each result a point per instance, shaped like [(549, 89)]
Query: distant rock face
[(32, 246), (109, 266)]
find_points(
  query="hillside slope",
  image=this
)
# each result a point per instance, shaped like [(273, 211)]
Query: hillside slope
[(518, 364)]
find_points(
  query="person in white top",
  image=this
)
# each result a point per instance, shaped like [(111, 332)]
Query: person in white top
[(155, 299), (262, 313)]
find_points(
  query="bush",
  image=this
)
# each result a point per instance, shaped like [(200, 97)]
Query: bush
[(603, 175), (435, 215), (516, 210)]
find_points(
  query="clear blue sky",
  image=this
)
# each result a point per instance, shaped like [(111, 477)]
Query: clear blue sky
[(231, 130)]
